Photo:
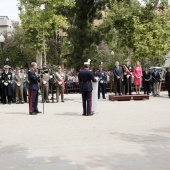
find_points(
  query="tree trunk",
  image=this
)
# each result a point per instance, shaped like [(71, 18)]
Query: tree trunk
[(39, 59)]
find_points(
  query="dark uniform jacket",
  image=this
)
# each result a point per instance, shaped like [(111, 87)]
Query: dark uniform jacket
[(117, 71), (6, 81), (102, 76), (85, 78), (130, 69), (33, 80)]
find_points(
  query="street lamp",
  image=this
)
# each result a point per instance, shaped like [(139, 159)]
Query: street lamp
[(2, 39), (7, 59), (42, 7), (112, 53)]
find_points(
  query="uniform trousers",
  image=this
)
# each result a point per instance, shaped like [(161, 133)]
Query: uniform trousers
[(60, 89), (19, 93), (6, 94), (33, 101), (128, 86), (102, 85), (44, 91), (87, 102)]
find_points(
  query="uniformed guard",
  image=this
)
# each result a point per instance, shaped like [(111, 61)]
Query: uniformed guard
[(19, 80), (45, 77), (13, 92), (25, 84), (85, 80), (6, 85), (60, 80), (102, 80), (127, 78)]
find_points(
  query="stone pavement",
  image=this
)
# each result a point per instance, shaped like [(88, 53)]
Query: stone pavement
[(132, 135)]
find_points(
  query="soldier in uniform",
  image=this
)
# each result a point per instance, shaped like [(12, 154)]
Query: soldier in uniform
[(19, 80), (85, 77), (45, 77), (127, 71), (6, 84), (1, 71), (24, 84), (60, 79), (13, 92), (102, 79)]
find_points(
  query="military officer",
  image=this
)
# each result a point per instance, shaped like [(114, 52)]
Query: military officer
[(6, 84), (13, 95), (102, 80), (45, 77), (60, 80), (127, 78), (85, 77), (19, 80)]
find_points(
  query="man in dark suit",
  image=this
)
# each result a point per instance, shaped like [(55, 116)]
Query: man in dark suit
[(33, 89), (85, 77), (155, 80), (118, 72), (127, 71), (102, 77), (146, 80), (6, 85), (167, 81)]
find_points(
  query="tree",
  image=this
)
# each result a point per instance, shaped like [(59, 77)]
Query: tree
[(40, 24)]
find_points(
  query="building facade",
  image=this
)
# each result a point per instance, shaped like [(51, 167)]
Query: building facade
[(5, 24)]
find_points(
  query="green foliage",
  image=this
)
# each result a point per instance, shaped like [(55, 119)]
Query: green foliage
[(17, 49), (36, 21), (152, 38)]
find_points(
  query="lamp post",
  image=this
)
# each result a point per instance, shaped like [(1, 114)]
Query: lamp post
[(2, 39), (7, 59), (42, 7)]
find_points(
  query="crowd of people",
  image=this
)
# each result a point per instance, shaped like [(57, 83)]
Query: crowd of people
[(122, 80)]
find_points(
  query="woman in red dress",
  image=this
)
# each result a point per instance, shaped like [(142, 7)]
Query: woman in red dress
[(137, 72)]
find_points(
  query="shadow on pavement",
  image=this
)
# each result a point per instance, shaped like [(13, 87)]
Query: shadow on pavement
[(69, 114)]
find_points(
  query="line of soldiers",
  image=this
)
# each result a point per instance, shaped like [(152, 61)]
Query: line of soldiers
[(14, 84)]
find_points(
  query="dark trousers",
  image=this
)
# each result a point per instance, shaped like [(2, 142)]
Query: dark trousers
[(168, 88), (0, 93), (6, 95), (102, 85), (33, 101), (87, 102), (13, 92), (117, 86), (25, 94), (128, 86), (146, 85)]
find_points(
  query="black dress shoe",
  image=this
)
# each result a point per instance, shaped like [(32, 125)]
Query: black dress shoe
[(104, 98), (84, 115), (63, 101), (90, 115), (33, 113), (38, 112)]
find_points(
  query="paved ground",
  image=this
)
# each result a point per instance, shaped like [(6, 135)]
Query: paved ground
[(132, 135)]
